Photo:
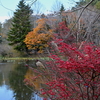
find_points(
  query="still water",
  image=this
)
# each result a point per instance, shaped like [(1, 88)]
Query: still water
[(12, 86)]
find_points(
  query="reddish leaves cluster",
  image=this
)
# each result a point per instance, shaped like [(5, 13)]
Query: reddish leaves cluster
[(62, 31), (78, 76), (74, 72)]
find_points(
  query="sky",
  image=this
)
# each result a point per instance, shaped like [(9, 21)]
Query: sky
[(7, 7)]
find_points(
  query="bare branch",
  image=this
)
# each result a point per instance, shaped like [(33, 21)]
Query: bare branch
[(79, 17), (96, 18), (37, 7), (31, 2), (56, 6), (5, 7), (82, 13), (79, 8)]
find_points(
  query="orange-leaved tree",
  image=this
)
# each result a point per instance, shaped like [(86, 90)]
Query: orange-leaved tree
[(39, 37)]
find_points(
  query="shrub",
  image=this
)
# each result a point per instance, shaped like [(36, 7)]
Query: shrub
[(74, 73), (78, 76)]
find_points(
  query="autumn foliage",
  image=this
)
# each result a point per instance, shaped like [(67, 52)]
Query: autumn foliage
[(75, 76), (78, 76), (33, 79), (62, 31), (76, 29), (38, 38), (74, 71)]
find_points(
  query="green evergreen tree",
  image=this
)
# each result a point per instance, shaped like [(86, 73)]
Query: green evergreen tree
[(0, 32), (0, 27), (62, 8), (20, 26)]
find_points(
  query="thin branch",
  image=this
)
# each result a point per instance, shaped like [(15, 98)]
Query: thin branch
[(29, 87), (81, 91), (79, 17), (90, 25), (82, 12), (31, 2), (5, 7), (96, 18), (79, 8)]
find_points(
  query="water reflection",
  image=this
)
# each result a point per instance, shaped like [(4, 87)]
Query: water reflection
[(1, 78), (12, 86), (6, 93)]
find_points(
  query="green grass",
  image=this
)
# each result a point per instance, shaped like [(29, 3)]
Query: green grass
[(24, 58)]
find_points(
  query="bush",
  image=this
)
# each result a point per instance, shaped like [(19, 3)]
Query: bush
[(74, 73)]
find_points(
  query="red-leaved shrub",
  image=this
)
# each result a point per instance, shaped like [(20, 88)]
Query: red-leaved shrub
[(74, 72)]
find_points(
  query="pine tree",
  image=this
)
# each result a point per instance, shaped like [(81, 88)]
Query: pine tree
[(62, 8), (20, 26), (0, 27)]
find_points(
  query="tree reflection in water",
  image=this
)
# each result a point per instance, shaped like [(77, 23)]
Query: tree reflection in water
[(1, 78), (16, 77), (37, 77)]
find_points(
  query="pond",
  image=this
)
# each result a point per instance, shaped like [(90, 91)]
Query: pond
[(12, 86)]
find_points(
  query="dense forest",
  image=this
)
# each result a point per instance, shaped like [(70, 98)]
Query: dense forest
[(67, 40), (30, 34)]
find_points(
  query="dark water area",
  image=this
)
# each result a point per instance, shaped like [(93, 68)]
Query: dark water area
[(12, 86)]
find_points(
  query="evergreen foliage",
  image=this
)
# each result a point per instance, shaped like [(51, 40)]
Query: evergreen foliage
[(62, 8), (20, 26), (98, 5), (83, 2), (0, 27)]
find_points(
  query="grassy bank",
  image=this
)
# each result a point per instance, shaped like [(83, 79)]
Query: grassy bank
[(24, 58)]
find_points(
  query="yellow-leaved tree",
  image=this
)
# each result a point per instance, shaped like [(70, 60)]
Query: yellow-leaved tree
[(39, 37)]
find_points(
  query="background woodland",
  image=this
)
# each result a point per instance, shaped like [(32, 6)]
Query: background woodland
[(81, 23)]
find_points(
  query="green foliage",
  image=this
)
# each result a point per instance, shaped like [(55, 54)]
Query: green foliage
[(0, 39), (98, 5), (0, 27), (93, 3), (0, 32), (16, 77), (20, 26), (62, 8), (83, 2)]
